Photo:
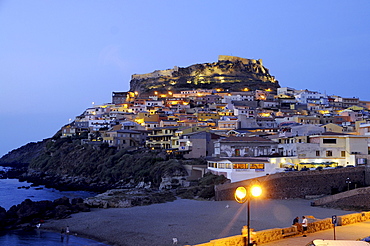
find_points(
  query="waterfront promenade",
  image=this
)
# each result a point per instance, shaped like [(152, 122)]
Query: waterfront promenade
[(348, 232), (190, 221)]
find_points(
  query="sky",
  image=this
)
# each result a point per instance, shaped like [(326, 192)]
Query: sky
[(58, 57)]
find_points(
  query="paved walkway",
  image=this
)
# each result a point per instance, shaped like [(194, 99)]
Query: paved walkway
[(348, 232)]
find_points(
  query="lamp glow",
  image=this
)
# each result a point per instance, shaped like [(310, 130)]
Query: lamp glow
[(241, 194), (256, 190)]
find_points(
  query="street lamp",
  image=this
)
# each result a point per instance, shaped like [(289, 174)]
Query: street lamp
[(241, 196), (348, 182)]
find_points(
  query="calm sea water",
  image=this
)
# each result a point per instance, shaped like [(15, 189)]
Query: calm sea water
[(10, 195)]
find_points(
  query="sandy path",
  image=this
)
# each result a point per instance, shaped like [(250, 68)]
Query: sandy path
[(190, 221)]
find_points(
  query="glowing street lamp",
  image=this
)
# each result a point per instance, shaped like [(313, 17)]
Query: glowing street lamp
[(243, 194)]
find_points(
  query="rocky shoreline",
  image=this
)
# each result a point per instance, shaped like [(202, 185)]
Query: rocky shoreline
[(64, 182), (28, 214)]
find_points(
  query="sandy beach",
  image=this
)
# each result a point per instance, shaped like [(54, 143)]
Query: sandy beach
[(190, 221)]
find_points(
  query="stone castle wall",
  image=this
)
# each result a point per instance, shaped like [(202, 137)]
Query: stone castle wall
[(228, 72), (155, 74), (168, 72), (243, 60)]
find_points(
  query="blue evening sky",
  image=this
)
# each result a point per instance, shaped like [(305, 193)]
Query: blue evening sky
[(57, 57)]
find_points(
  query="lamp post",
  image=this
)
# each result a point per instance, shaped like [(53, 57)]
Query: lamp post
[(348, 182), (243, 194)]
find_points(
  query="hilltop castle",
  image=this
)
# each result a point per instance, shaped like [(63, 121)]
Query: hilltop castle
[(229, 72)]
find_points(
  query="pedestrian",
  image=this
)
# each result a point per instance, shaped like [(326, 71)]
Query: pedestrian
[(62, 232), (296, 224), (304, 226), (67, 230), (295, 220)]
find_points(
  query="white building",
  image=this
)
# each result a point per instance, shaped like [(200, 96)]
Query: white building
[(238, 169), (306, 96), (328, 149)]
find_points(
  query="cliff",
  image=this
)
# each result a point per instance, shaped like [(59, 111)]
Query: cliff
[(23, 155), (230, 72)]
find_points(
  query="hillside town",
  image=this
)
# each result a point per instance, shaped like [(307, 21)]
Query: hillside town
[(242, 134)]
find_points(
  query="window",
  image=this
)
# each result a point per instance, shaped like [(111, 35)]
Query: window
[(237, 152), (240, 166), (317, 152), (329, 153), (329, 141), (343, 154), (257, 166)]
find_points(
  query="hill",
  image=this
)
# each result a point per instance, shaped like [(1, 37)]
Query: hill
[(229, 72)]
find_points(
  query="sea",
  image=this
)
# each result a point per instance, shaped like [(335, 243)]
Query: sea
[(12, 193)]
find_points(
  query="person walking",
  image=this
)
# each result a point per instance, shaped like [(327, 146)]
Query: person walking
[(304, 226)]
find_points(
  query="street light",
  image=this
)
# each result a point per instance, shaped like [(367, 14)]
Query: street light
[(241, 196), (348, 182)]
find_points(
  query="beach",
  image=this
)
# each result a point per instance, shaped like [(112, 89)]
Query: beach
[(190, 221)]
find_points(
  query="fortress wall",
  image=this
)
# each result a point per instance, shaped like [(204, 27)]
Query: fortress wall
[(235, 58), (155, 74)]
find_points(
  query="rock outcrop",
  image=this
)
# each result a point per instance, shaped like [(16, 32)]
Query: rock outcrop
[(229, 72), (29, 213), (123, 198)]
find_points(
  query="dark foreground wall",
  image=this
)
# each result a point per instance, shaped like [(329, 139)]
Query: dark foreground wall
[(301, 183)]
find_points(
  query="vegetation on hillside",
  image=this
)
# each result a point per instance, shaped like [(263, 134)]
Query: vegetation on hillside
[(104, 164), (22, 156)]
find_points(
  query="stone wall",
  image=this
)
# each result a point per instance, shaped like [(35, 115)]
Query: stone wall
[(235, 58), (237, 240), (155, 74), (300, 184), (342, 196)]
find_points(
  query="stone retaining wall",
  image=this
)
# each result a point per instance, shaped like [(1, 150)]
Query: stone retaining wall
[(341, 196), (300, 184)]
